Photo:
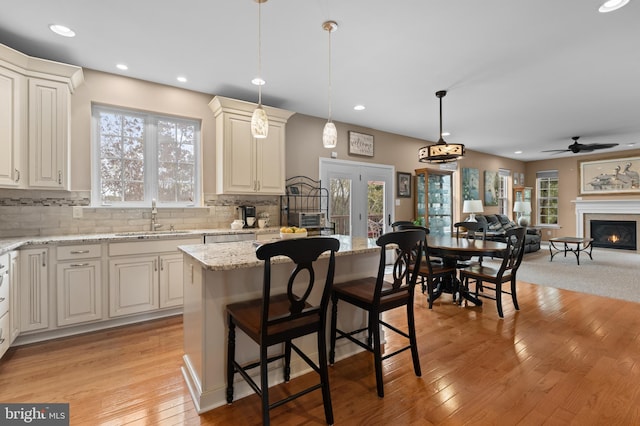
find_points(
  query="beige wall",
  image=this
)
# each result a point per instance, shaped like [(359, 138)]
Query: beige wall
[(569, 180), (115, 90)]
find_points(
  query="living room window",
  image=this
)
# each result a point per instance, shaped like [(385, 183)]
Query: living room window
[(547, 201), (140, 156)]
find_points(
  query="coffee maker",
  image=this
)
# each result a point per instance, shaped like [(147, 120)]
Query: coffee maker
[(248, 215)]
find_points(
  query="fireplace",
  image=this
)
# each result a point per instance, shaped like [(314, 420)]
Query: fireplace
[(616, 234)]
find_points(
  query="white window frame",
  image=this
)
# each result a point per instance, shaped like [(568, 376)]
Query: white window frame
[(150, 159), (548, 175), (505, 191)]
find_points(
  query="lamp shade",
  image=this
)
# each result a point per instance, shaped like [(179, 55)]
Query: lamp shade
[(330, 135), (259, 123), (522, 207), (472, 206)]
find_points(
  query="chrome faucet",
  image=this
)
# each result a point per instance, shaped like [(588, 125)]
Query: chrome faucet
[(154, 216)]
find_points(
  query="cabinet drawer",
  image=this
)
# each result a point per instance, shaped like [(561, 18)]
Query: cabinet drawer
[(4, 333), (150, 246), (84, 251)]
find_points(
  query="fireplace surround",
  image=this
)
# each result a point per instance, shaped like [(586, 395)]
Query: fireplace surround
[(588, 210)]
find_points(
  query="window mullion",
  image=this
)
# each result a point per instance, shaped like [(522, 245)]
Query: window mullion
[(151, 161)]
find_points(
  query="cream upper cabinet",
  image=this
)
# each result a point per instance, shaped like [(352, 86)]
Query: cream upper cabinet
[(245, 165), (12, 91), (35, 120), (49, 106)]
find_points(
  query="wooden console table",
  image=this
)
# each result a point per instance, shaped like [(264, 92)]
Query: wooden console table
[(578, 241)]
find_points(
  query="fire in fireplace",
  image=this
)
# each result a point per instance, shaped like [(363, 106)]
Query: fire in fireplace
[(617, 234)]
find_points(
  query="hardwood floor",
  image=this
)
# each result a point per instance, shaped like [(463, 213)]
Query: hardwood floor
[(565, 358)]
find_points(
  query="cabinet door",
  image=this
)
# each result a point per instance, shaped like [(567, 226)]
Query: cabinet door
[(270, 161), (48, 134), (237, 174), (14, 295), (171, 280), (34, 285), (11, 116), (133, 285), (79, 292)]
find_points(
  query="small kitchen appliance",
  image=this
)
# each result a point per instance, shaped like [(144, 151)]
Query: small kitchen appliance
[(248, 215)]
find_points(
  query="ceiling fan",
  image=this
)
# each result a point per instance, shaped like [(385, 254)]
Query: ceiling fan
[(576, 147)]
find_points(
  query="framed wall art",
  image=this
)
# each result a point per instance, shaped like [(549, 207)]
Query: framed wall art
[(360, 144), (404, 185), (491, 188), (470, 184), (613, 176)]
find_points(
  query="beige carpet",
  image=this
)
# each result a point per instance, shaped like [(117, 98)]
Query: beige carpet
[(611, 273)]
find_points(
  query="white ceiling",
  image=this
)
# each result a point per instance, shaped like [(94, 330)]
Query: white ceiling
[(521, 75)]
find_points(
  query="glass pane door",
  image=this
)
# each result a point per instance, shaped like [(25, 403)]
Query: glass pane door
[(340, 204)]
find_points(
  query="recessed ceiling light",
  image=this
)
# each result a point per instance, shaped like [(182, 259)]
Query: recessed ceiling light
[(122, 67), (611, 5), (62, 30), (446, 134), (517, 152), (182, 79), (630, 144), (258, 82), (359, 107)]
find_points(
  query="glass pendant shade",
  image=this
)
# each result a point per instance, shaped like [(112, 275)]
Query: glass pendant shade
[(329, 135), (259, 123)]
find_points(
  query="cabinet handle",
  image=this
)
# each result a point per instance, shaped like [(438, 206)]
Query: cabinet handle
[(2, 266), (162, 264), (79, 251), (17, 175), (155, 265), (59, 177), (2, 299), (191, 273), (44, 259), (258, 185), (78, 265)]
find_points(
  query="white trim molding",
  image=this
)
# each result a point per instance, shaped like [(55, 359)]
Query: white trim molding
[(584, 207)]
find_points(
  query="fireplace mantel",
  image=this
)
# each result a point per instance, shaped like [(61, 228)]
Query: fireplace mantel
[(604, 207)]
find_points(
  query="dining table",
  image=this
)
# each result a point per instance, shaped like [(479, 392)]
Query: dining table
[(451, 249)]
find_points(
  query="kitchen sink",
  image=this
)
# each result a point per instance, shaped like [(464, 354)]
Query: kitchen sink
[(137, 233)]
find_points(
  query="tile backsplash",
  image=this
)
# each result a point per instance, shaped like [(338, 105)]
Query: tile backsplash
[(43, 213)]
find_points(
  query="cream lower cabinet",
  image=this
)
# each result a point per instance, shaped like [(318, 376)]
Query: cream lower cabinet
[(79, 284), (34, 289), (145, 276), (5, 303), (14, 294)]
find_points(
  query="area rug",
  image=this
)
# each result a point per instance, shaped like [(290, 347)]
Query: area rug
[(611, 273)]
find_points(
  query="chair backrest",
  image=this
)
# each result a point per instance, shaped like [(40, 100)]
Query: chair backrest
[(407, 265), (475, 230), (303, 252), (515, 250), (398, 223)]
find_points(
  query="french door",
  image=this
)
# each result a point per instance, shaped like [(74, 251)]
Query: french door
[(360, 196)]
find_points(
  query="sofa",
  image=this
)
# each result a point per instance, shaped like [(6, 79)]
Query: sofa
[(496, 226)]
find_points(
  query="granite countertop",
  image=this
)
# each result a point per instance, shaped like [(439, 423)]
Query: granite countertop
[(238, 255), (8, 244)]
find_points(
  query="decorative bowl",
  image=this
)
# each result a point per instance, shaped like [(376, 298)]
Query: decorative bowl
[(290, 236)]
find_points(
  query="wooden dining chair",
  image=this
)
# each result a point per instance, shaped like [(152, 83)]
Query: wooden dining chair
[(375, 296), (482, 274), (432, 273), (278, 318)]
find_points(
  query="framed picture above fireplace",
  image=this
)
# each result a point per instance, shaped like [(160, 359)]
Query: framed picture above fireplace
[(613, 176)]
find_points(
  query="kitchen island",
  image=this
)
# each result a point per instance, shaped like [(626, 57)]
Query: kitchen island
[(218, 274)]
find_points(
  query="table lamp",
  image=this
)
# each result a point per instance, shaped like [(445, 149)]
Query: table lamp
[(472, 207), (522, 208)]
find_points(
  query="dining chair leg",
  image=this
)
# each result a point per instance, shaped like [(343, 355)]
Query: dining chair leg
[(377, 351), (430, 291), (264, 384), (412, 339), (287, 361), (332, 337), (324, 376), (231, 351), (499, 299), (514, 297)]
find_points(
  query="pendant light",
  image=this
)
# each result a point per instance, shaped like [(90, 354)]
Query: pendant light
[(329, 134), (259, 119), (441, 152)]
